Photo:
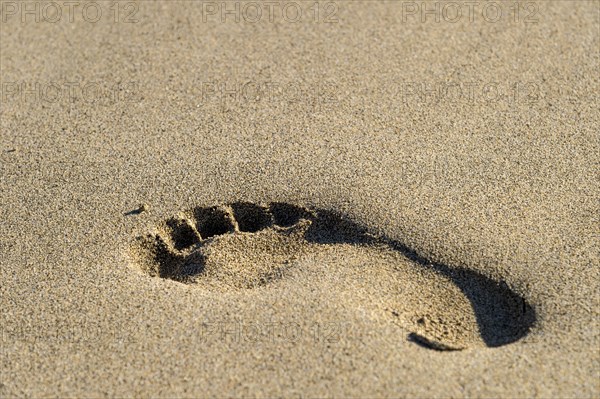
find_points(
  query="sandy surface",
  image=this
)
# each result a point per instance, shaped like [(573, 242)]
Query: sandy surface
[(450, 242)]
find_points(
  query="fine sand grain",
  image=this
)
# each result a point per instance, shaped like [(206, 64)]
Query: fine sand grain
[(364, 202)]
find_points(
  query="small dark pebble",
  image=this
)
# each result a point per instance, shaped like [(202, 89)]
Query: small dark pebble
[(142, 208)]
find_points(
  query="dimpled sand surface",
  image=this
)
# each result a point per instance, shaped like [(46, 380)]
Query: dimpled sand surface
[(363, 202)]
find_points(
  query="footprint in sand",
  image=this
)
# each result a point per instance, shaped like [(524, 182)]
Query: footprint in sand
[(245, 245)]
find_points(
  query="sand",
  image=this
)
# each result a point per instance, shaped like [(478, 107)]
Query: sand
[(363, 202)]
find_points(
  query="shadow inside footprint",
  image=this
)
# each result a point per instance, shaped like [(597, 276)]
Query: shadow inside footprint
[(251, 217), (219, 242), (502, 315)]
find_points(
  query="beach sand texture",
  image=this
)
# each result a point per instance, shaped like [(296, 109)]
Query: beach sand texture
[(358, 200)]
